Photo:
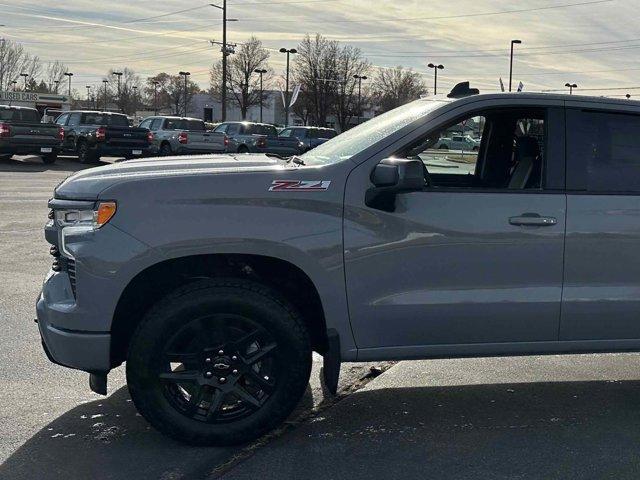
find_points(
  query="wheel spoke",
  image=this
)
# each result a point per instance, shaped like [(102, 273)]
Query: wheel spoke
[(194, 401), (246, 397), (242, 343), (215, 404), (260, 354), (184, 358), (181, 376), (260, 380)]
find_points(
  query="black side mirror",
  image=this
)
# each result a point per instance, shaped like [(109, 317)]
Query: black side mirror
[(392, 176)]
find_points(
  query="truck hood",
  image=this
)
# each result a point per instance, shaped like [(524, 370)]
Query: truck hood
[(87, 184)]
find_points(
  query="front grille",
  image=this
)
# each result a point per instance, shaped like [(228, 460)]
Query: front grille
[(71, 271)]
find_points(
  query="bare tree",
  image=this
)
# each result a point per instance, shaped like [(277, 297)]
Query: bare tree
[(316, 71), (393, 87), (350, 62), (53, 75), (125, 101), (14, 60), (242, 80)]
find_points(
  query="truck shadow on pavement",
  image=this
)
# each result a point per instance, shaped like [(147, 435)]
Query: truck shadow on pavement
[(108, 439), (528, 430), (34, 164)]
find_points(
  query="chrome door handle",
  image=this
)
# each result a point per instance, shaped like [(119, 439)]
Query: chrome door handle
[(533, 219)]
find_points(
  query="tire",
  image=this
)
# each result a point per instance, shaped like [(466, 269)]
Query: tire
[(165, 150), (219, 394), (50, 158), (84, 154), (243, 149)]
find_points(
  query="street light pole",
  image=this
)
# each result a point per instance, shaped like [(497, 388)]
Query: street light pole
[(225, 53), (261, 71), (185, 75), (105, 82), (25, 76), (571, 86), (290, 51), (88, 87), (57, 83), (360, 78), (513, 42), (435, 76), (69, 74), (135, 99), (155, 96), (119, 75)]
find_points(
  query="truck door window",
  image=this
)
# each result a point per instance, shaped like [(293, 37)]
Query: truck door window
[(497, 150), (285, 133), (233, 129), (145, 123), (74, 119), (62, 119), (603, 154), (156, 124)]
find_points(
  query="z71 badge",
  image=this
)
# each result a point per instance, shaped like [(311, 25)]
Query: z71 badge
[(300, 185)]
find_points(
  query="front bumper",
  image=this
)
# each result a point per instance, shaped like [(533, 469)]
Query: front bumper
[(88, 351)]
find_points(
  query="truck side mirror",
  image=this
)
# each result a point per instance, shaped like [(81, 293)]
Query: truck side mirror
[(393, 176)]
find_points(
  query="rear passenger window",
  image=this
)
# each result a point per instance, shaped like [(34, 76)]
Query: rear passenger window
[(603, 151)]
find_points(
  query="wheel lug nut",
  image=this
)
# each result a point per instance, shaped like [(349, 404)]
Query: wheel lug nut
[(222, 379), (208, 374), (235, 372), (266, 377), (221, 352), (234, 358), (208, 360)]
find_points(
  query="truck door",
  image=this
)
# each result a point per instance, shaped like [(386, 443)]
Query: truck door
[(477, 256), (601, 297)]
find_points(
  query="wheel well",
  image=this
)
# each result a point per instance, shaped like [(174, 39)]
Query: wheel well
[(155, 282)]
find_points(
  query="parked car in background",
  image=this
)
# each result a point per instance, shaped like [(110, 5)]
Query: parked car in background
[(92, 134), (248, 137), (22, 133), (309, 137), (180, 136), (458, 142)]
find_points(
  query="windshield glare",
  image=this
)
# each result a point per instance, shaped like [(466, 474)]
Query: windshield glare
[(359, 138)]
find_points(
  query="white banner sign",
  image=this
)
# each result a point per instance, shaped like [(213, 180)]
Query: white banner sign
[(32, 97)]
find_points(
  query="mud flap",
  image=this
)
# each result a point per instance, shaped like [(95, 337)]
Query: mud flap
[(98, 383), (332, 361)]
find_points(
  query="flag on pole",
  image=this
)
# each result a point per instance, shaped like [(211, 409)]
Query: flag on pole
[(501, 85), (294, 95), (520, 86)]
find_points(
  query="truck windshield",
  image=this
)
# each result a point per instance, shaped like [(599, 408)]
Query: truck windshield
[(180, 124), (19, 115), (105, 119), (359, 138)]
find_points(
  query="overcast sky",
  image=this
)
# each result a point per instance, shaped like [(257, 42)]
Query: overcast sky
[(592, 43)]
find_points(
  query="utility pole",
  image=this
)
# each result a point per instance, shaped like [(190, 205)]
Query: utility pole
[(105, 82), (88, 87), (435, 76), (290, 51), (571, 86), (155, 96), (135, 99), (185, 75), (69, 74), (513, 42), (261, 71), (360, 78), (226, 51)]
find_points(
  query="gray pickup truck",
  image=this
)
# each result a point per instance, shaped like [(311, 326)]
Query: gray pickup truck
[(216, 279), (21, 133), (183, 136), (248, 137)]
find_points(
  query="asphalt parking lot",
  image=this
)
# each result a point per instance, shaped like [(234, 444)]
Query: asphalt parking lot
[(498, 418)]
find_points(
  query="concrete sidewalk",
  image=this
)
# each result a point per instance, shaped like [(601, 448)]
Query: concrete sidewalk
[(527, 417)]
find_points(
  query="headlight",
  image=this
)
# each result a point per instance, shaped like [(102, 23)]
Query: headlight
[(94, 219), (81, 221)]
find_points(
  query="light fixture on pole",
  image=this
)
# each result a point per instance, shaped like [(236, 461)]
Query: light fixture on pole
[(261, 71), (289, 51), (360, 78), (435, 75), (570, 86), (513, 42), (25, 76), (185, 75)]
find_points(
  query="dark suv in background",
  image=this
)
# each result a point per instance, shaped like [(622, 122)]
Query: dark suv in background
[(309, 137), (248, 137)]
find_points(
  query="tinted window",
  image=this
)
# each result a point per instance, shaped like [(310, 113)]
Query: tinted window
[(321, 133), (105, 119), (221, 128), (74, 119), (285, 133), (155, 125), (181, 124), (233, 129), (268, 130), (603, 151), (19, 115), (146, 123), (62, 119)]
